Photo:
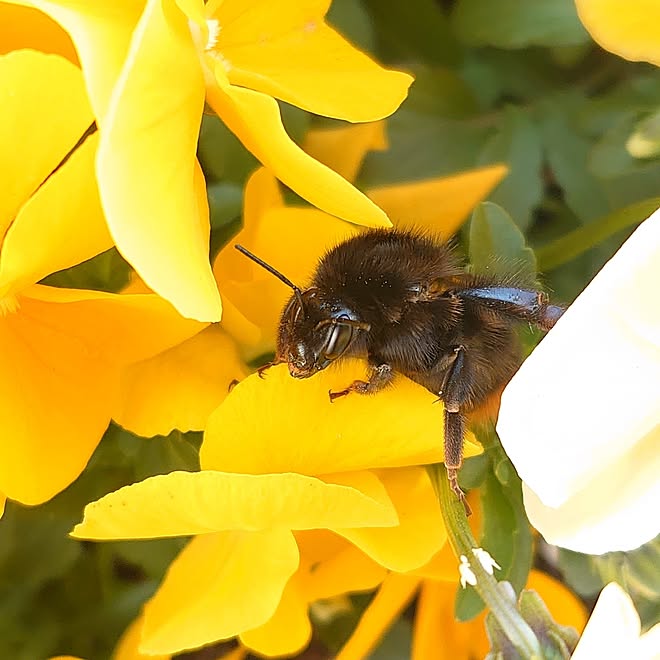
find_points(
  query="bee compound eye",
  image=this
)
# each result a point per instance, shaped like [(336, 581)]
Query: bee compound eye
[(338, 340)]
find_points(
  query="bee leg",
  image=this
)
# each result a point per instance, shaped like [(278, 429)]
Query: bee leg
[(379, 377), (262, 370), (454, 434), (455, 423)]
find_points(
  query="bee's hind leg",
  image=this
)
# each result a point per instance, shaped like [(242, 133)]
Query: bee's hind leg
[(453, 395)]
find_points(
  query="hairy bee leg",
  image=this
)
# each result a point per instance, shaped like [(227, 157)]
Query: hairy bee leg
[(379, 377), (454, 434), (455, 423)]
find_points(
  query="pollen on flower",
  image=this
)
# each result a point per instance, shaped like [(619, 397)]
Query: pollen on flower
[(214, 28), (9, 305)]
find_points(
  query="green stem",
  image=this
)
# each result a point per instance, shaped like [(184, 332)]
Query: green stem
[(462, 543)]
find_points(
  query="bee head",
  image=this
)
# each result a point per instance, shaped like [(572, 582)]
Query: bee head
[(313, 331)]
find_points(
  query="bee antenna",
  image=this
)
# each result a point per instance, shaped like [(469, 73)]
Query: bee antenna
[(272, 271)]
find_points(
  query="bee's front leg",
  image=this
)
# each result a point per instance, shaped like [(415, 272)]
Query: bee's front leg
[(380, 376), (264, 368)]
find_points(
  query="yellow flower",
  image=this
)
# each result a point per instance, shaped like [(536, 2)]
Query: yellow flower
[(633, 33), (181, 387), (26, 27), (437, 634), (269, 468), (62, 349), (591, 476), (150, 66)]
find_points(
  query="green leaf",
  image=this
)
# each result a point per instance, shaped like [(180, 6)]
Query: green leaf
[(352, 20), (423, 146), (494, 235), (225, 208), (609, 157), (506, 534), (225, 203), (575, 243), (222, 154), (518, 23), (440, 92), (468, 604), (396, 643), (518, 144), (413, 30), (474, 471), (567, 152), (107, 271), (580, 573)]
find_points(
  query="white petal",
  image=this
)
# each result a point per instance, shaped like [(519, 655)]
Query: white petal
[(615, 511), (581, 418), (613, 628)]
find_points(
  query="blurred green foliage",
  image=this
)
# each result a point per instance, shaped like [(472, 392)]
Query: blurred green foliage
[(510, 81)]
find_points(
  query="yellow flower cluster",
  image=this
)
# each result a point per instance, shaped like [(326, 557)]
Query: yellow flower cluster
[(297, 502)]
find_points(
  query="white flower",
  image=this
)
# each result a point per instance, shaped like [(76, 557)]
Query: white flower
[(613, 630), (466, 573), (581, 418)]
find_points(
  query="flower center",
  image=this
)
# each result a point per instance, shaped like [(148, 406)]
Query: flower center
[(205, 39)]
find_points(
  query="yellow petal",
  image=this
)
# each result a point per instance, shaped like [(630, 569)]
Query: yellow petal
[(118, 328), (566, 608), (219, 586), (34, 84), (151, 185), (290, 239), (288, 631), (255, 119), (633, 33), (437, 631), (239, 653), (184, 503), (26, 27), (129, 642), (252, 430), (289, 52), (3, 501), (346, 570), (420, 533), (101, 33), (344, 149), (59, 370), (55, 403), (61, 225), (388, 603), (179, 388), (440, 205)]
